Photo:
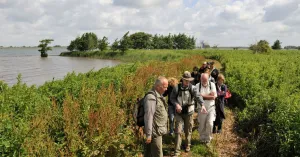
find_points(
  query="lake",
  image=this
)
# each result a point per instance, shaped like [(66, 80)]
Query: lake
[(37, 70)]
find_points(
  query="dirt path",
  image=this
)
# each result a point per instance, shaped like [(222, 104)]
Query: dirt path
[(225, 144)]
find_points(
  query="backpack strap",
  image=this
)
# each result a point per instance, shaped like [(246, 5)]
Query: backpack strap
[(153, 93), (180, 90), (200, 85)]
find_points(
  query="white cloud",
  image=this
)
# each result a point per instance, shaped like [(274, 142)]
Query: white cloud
[(105, 2), (222, 22)]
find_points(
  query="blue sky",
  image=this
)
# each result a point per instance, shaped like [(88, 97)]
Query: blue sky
[(217, 22), (190, 3)]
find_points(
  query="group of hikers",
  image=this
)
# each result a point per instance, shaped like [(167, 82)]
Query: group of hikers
[(201, 91)]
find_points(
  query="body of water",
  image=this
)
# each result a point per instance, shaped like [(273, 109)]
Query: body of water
[(37, 70)]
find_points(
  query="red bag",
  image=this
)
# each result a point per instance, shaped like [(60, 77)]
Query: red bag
[(228, 94)]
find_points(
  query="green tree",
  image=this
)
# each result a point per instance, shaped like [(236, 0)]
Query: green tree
[(261, 47), (103, 44), (155, 42), (159, 42), (72, 46), (115, 45), (88, 41), (180, 41), (277, 45), (125, 43), (140, 40), (44, 47), (168, 42)]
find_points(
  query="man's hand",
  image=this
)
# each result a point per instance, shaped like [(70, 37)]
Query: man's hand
[(203, 109), (148, 140), (178, 108)]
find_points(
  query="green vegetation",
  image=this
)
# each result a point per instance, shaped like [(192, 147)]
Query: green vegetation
[(277, 45), (103, 44), (135, 55), (266, 91), (44, 47), (76, 117), (138, 40), (125, 43), (88, 41), (261, 47)]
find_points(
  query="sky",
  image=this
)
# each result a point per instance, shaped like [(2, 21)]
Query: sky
[(217, 22)]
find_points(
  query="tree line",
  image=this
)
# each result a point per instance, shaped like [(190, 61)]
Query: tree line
[(139, 40), (263, 47)]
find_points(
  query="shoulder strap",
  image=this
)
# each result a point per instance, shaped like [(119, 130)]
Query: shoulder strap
[(154, 93), (179, 89), (200, 85), (191, 90)]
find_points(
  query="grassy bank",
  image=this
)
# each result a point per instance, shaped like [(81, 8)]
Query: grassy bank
[(136, 55)]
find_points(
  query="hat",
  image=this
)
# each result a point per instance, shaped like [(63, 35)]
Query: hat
[(187, 76), (204, 62)]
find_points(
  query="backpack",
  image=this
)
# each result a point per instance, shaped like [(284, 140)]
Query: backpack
[(180, 90), (140, 109), (185, 108)]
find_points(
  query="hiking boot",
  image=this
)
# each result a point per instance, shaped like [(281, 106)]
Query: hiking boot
[(176, 155), (219, 131), (187, 149)]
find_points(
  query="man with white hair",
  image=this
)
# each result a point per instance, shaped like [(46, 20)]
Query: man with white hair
[(156, 118), (206, 112)]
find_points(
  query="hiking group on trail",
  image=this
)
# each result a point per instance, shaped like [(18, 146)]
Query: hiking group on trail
[(202, 91)]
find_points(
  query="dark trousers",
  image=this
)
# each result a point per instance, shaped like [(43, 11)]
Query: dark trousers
[(218, 123)]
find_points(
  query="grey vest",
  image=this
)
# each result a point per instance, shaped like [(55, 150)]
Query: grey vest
[(160, 117)]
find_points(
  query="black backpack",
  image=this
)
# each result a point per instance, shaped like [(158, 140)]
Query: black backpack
[(140, 109)]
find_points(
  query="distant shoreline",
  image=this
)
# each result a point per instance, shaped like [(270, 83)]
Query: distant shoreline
[(4, 47)]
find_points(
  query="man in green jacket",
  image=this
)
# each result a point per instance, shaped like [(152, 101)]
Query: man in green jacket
[(156, 118)]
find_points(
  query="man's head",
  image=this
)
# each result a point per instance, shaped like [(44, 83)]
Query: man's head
[(204, 64), (186, 78), (161, 84), (212, 65), (195, 69), (204, 79)]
